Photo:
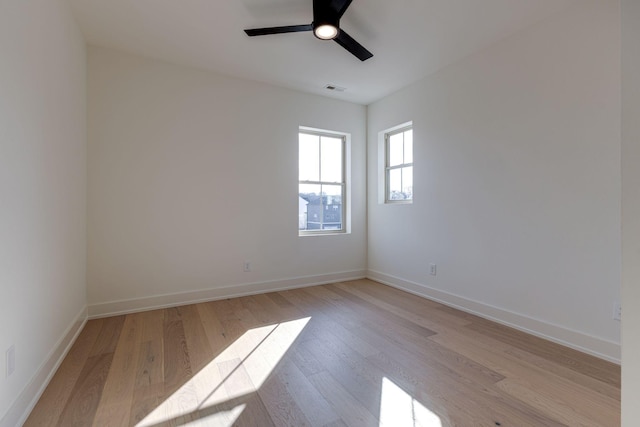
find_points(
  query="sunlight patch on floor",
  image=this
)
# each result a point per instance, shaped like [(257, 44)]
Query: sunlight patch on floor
[(238, 371), (399, 409), (221, 418)]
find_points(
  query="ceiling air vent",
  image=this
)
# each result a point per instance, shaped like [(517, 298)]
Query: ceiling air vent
[(335, 88)]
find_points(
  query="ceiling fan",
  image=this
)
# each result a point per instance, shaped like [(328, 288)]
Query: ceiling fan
[(325, 26)]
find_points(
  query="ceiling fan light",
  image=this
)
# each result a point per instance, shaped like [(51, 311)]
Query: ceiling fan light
[(325, 31)]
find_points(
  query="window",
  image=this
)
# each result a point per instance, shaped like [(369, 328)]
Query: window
[(399, 165), (321, 185)]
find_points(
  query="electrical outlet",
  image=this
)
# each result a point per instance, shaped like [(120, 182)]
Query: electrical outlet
[(432, 269), (11, 360), (617, 311), (246, 267)]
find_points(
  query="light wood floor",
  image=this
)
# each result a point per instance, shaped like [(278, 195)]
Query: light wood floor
[(356, 354)]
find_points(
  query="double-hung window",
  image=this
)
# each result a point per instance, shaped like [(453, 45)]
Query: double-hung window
[(321, 185), (399, 165)]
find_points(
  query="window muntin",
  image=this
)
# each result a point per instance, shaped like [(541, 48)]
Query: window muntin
[(321, 183), (399, 165)]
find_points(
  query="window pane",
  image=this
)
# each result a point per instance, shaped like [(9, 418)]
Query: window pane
[(407, 183), (331, 159), (401, 184), (332, 190), (309, 217), (309, 157), (399, 175), (408, 146), (395, 184), (395, 149), (309, 190), (332, 207)]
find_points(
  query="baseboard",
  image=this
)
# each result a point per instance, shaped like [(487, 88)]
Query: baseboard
[(191, 297), (27, 399), (585, 343)]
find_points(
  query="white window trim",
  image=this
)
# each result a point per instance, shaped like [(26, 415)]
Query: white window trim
[(346, 200), (383, 168)]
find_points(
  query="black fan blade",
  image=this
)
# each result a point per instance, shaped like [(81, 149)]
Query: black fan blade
[(278, 30), (340, 6), (347, 42)]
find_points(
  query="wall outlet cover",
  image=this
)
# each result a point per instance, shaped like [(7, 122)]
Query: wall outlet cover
[(11, 360), (432, 269), (617, 310)]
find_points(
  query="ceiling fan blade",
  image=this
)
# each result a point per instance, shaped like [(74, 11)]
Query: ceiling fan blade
[(278, 30), (347, 42), (340, 6)]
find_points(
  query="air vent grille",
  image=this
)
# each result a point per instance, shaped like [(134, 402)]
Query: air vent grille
[(335, 88)]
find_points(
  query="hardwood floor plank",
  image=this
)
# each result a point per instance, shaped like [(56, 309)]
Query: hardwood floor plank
[(149, 376), (372, 309), (152, 325), (429, 322), (216, 334), (236, 378), (145, 400), (234, 318), (347, 354), (409, 302), (196, 339), (346, 406), (53, 399), (177, 362), (572, 375), (513, 362), (279, 300), (560, 403), (83, 402), (115, 403), (395, 328), (594, 405), (491, 408), (238, 384), (315, 407), (81, 407), (179, 398), (254, 414), (280, 405), (150, 369), (267, 311), (513, 369), (573, 359), (108, 336), (323, 316), (362, 387)]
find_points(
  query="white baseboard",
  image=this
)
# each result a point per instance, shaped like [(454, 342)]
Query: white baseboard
[(27, 399), (191, 297), (580, 341)]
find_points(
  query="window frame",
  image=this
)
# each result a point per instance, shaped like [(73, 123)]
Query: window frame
[(387, 168), (343, 183)]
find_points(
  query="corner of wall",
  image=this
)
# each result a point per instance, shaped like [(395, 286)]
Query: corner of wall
[(27, 399)]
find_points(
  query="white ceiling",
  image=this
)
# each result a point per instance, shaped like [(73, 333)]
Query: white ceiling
[(409, 38)]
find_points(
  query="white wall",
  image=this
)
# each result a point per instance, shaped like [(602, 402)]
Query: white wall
[(517, 181), (192, 173), (630, 212), (42, 193)]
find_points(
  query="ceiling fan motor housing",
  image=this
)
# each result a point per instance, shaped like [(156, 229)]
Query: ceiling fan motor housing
[(323, 15)]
